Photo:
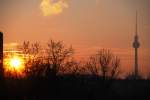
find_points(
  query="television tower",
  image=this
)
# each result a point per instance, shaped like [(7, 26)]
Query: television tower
[(136, 45)]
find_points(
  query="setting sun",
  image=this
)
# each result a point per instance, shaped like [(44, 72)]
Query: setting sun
[(15, 62)]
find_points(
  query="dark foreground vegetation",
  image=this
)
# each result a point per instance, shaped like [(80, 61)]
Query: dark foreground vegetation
[(71, 87), (55, 74)]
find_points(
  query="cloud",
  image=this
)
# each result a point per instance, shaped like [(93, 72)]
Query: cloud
[(52, 7)]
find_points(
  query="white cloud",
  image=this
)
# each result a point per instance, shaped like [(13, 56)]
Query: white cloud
[(53, 7)]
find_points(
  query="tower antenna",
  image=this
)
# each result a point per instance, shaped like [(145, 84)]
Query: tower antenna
[(136, 25)]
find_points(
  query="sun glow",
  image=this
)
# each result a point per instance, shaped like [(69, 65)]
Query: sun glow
[(14, 64)]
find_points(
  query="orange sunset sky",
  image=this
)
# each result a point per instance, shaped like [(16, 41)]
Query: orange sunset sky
[(87, 25)]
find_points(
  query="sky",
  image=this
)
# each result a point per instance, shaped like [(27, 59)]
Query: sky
[(87, 25)]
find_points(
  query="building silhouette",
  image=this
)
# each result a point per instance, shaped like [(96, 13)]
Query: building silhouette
[(1, 56), (136, 45)]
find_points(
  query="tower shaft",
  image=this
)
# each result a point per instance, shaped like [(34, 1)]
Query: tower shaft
[(136, 62)]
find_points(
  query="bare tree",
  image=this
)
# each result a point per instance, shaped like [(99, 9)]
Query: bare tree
[(104, 59), (115, 71), (104, 62), (33, 59), (26, 47), (92, 65), (58, 55), (30, 50), (75, 67)]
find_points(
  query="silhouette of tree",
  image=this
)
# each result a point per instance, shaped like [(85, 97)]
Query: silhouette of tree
[(57, 56), (33, 59), (104, 59), (26, 47), (30, 50), (115, 71), (73, 67), (92, 65), (12, 74), (104, 62)]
